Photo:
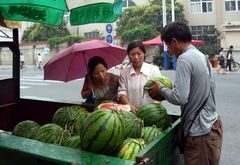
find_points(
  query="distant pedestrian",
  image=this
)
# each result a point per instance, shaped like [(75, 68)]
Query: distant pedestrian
[(229, 58), (21, 61), (39, 60), (221, 59)]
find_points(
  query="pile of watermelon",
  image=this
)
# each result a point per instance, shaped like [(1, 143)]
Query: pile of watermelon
[(111, 129)]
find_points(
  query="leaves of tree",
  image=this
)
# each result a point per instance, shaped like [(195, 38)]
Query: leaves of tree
[(135, 20), (42, 32)]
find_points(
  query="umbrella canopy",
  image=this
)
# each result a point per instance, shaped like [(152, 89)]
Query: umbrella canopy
[(157, 41), (53, 11), (71, 63)]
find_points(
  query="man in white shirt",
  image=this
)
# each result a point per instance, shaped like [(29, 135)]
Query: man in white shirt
[(39, 60)]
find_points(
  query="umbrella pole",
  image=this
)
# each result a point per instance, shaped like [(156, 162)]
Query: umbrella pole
[(93, 94)]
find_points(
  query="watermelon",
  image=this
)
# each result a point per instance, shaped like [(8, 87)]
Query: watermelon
[(114, 106), (163, 80), (150, 133), (26, 128), (102, 131), (78, 124), (107, 101), (67, 115), (52, 133), (154, 114), (129, 149), (133, 126), (73, 142)]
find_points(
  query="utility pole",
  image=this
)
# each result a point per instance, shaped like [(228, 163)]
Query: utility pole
[(165, 55), (173, 19)]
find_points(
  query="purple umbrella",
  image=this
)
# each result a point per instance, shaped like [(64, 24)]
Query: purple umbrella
[(71, 63)]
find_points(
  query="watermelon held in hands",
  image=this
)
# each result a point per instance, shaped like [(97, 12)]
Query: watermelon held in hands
[(102, 132), (114, 106), (154, 114), (163, 80), (129, 149), (26, 128)]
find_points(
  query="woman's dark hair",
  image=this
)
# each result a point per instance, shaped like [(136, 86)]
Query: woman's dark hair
[(220, 49), (135, 44), (178, 30), (93, 62)]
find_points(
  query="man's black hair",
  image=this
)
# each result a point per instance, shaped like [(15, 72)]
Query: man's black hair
[(178, 30)]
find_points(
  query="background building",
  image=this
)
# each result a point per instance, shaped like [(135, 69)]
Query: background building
[(224, 15)]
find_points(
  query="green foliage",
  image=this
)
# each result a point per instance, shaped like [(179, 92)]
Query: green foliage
[(139, 33), (149, 18), (70, 39), (42, 32), (212, 43)]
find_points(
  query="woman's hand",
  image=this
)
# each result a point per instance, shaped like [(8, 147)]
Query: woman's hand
[(133, 109), (123, 99)]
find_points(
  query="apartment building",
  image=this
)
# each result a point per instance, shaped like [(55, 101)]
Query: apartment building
[(224, 15)]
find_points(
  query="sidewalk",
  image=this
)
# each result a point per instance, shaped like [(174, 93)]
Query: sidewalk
[(5, 67)]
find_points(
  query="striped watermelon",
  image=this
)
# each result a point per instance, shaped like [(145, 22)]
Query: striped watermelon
[(102, 132), (78, 124), (163, 80), (154, 114), (133, 126), (67, 115), (129, 149), (150, 133), (26, 128), (52, 133), (73, 142)]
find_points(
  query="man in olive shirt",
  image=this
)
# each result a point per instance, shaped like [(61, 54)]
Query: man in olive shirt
[(194, 83)]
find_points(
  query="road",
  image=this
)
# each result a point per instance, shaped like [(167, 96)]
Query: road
[(227, 98)]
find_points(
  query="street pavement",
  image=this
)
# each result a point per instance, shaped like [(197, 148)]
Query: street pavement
[(227, 99)]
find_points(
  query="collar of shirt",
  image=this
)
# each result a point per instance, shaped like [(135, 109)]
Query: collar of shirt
[(188, 47), (144, 69)]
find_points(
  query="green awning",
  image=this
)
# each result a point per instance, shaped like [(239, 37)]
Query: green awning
[(52, 11), (42, 11), (95, 13)]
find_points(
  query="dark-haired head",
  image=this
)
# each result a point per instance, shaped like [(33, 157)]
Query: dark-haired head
[(135, 44), (178, 30), (93, 62), (231, 47)]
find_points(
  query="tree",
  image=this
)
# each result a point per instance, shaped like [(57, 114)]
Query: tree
[(212, 42), (145, 22), (42, 32)]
